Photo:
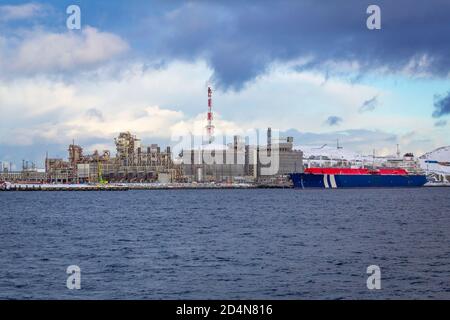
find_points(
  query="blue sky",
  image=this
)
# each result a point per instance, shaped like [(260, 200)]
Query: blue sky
[(309, 68)]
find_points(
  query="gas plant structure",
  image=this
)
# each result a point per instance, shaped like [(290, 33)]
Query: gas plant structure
[(133, 163), (137, 163)]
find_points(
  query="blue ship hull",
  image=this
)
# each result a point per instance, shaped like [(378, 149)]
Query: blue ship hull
[(333, 181)]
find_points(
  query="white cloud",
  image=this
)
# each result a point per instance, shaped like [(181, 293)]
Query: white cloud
[(153, 121), (285, 98), (42, 51), (19, 12), (160, 103)]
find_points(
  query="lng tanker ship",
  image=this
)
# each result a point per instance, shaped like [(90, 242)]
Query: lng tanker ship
[(332, 178)]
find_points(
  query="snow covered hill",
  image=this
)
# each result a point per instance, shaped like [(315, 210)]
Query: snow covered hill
[(329, 156), (436, 161)]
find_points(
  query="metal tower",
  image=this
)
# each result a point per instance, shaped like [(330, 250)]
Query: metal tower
[(209, 126)]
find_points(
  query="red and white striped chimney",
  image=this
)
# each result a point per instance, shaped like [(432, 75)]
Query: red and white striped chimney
[(210, 127)]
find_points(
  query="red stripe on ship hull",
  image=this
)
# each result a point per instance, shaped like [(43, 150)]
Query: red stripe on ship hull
[(352, 171)]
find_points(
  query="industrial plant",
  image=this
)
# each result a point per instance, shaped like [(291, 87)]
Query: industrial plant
[(135, 162)]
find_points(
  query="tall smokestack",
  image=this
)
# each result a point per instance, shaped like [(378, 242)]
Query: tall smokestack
[(210, 127)]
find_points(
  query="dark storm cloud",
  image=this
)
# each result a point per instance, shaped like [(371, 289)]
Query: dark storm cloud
[(441, 105), (333, 121), (369, 105), (240, 39)]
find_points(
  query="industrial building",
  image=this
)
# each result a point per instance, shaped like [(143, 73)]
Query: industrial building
[(29, 173), (133, 163), (240, 162), (215, 162)]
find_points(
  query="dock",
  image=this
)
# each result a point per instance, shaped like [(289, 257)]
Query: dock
[(39, 187), (133, 186)]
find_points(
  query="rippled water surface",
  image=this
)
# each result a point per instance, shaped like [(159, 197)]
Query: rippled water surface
[(226, 244)]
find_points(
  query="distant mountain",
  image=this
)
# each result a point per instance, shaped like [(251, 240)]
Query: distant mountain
[(441, 154)]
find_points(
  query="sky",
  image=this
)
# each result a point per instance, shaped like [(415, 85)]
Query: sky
[(311, 69)]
